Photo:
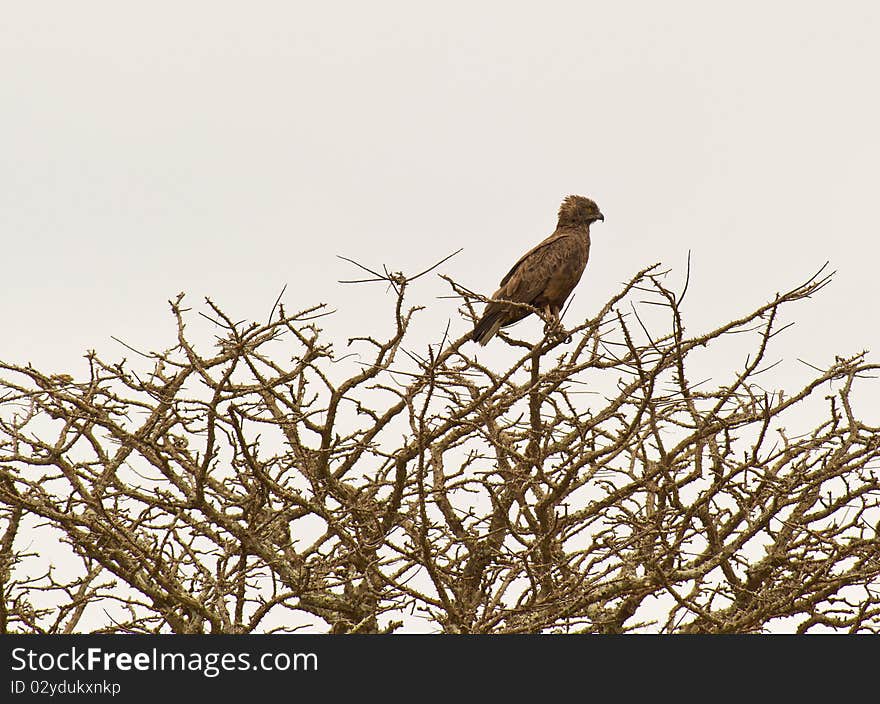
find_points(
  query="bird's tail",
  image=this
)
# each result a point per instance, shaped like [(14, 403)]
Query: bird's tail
[(488, 326)]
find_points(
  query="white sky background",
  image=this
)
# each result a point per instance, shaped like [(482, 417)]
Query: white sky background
[(225, 149)]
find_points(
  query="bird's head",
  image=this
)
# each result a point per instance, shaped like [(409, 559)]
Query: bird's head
[(577, 211)]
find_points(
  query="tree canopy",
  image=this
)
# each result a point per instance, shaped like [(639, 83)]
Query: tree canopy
[(272, 483)]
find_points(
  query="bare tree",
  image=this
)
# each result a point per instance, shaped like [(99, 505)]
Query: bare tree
[(590, 485)]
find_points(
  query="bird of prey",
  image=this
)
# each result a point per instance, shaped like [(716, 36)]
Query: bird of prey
[(545, 275)]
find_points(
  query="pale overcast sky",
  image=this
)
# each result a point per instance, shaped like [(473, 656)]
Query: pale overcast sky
[(228, 148)]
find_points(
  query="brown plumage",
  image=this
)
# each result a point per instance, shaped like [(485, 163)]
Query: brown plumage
[(545, 275)]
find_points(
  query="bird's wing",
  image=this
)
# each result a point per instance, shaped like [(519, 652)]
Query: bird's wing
[(534, 250), (532, 274)]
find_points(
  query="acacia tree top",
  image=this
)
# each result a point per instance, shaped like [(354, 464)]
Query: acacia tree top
[(590, 485)]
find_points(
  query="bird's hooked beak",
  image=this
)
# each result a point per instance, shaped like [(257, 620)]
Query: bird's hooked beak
[(600, 217)]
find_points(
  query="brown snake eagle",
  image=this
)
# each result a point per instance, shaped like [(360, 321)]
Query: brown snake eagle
[(545, 275)]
